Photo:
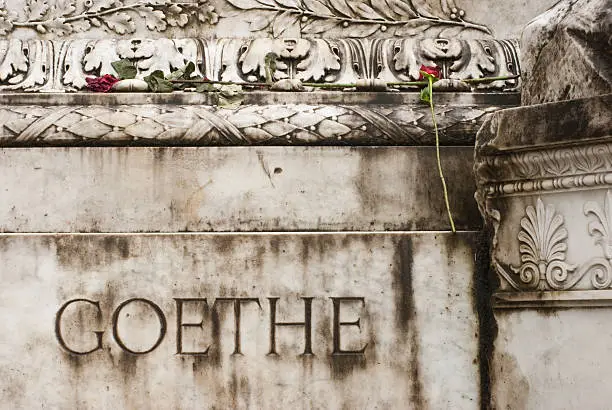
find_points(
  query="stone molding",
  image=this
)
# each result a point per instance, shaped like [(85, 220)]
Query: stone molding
[(556, 299), (274, 124), (62, 65), (545, 170)]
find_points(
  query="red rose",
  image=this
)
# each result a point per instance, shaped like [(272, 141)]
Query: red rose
[(433, 70), (101, 84)]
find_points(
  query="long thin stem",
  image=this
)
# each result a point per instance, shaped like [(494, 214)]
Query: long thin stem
[(433, 117)]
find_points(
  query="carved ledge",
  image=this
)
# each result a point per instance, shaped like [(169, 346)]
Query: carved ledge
[(544, 180), (569, 299), (190, 119), (62, 65)]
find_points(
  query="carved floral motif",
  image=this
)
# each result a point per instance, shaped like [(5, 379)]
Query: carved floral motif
[(545, 170), (64, 17), (54, 65), (357, 18), (543, 250), (274, 17)]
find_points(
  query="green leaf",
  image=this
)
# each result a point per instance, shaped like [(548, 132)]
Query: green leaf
[(426, 94), (126, 70), (158, 83), (188, 70), (182, 74), (176, 74), (230, 96), (206, 87), (270, 66)]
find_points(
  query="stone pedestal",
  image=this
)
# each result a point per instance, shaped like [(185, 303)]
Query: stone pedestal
[(239, 276), (544, 175)]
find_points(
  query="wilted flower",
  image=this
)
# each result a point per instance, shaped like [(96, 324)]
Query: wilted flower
[(101, 84)]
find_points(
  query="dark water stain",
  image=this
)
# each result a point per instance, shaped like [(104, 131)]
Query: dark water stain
[(245, 391), (275, 245), (485, 281), (198, 361), (75, 362), (234, 389), (214, 353), (406, 312), (342, 365), (87, 253), (371, 161), (305, 249), (515, 395), (224, 244), (128, 365)]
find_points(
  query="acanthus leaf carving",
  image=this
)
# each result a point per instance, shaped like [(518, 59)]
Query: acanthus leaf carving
[(15, 60), (543, 250), (340, 61)]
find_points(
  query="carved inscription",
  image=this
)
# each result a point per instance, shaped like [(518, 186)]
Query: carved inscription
[(206, 309)]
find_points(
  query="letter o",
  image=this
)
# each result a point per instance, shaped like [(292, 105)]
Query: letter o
[(160, 317)]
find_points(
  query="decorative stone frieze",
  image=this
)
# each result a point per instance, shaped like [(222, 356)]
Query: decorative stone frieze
[(249, 124), (546, 189), (63, 65)]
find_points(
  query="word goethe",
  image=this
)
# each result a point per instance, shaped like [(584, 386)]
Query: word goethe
[(181, 324)]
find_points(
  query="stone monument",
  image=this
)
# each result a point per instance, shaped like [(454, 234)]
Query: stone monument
[(274, 250)]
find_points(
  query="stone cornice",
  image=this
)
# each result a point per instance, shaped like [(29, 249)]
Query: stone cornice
[(548, 147), (551, 169)]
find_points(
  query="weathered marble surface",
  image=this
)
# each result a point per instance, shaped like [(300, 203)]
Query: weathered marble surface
[(225, 189), (566, 52), (544, 177), (552, 359), (418, 321), (271, 18)]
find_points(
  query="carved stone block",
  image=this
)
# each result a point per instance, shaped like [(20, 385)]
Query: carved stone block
[(336, 321), (544, 176)]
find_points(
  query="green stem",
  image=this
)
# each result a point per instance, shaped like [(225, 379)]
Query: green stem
[(489, 79), (348, 85), (433, 117)]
